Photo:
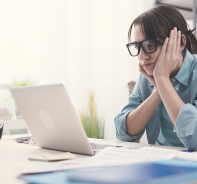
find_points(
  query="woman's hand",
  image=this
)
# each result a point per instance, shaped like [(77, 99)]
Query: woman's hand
[(150, 78), (170, 57)]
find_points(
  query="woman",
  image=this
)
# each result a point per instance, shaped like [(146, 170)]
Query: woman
[(164, 100)]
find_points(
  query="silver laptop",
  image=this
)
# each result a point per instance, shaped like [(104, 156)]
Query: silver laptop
[(51, 118)]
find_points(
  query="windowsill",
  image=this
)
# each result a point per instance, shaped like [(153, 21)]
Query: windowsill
[(13, 124)]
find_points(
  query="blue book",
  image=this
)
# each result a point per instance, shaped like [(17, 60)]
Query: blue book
[(162, 172)]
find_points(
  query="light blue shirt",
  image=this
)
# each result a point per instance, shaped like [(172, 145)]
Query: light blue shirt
[(185, 83), (167, 128)]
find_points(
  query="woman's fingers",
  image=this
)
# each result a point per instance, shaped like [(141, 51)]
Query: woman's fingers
[(174, 40), (150, 78), (141, 69), (169, 56), (173, 45), (178, 48), (171, 41), (164, 48)]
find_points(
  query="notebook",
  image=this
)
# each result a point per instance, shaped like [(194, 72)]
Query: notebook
[(162, 172), (51, 118), (157, 172)]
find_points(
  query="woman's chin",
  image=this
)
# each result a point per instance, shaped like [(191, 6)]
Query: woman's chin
[(150, 73)]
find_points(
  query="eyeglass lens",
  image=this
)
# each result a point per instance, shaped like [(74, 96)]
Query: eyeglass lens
[(148, 46)]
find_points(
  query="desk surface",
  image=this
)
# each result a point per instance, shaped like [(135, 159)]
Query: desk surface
[(14, 156)]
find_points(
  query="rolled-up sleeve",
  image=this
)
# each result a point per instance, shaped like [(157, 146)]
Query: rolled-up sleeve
[(120, 124), (135, 100), (186, 126)]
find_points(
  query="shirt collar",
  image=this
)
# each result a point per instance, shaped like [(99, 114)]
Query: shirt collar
[(184, 72)]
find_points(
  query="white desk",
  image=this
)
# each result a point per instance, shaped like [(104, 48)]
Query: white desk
[(14, 157)]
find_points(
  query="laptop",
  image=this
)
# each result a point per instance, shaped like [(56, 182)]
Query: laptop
[(51, 118)]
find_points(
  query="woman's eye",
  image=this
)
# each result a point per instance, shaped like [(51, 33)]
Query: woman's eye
[(135, 46), (150, 45)]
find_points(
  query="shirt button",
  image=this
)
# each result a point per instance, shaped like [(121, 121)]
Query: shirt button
[(177, 89)]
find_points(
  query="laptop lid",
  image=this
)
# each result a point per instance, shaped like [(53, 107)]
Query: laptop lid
[(51, 118)]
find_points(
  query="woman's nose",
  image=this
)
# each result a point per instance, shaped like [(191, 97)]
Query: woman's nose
[(143, 55)]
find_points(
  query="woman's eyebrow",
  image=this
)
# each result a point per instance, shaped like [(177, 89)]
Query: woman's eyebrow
[(134, 42)]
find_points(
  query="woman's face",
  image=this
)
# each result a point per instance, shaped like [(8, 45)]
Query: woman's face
[(147, 60)]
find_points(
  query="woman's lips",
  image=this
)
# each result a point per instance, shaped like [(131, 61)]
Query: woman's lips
[(147, 65)]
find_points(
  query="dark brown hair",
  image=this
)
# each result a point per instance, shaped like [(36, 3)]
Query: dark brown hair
[(157, 23)]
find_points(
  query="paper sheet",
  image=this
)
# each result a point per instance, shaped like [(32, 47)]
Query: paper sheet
[(52, 157), (118, 156), (189, 156), (122, 155)]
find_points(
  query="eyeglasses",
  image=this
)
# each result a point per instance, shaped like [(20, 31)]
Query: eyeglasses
[(148, 46)]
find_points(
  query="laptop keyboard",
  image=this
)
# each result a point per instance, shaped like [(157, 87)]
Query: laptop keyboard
[(30, 140), (98, 146)]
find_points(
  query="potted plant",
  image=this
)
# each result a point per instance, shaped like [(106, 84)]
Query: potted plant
[(93, 126)]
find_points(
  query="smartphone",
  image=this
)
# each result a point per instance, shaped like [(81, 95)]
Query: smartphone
[(24, 140)]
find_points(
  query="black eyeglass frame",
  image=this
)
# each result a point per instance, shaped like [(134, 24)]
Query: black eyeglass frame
[(139, 44)]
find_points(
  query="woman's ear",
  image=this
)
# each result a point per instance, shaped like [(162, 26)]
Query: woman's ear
[(183, 42)]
